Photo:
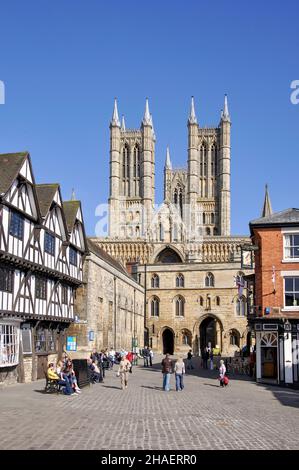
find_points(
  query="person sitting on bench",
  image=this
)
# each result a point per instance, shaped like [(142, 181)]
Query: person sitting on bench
[(51, 374)]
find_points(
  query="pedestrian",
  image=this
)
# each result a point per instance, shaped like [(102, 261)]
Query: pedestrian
[(222, 372), (123, 371), (211, 360), (206, 358), (151, 356), (189, 360), (166, 371), (179, 370), (146, 356), (130, 357)]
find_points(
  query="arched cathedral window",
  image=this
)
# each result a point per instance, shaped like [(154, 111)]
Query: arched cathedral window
[(203, 159), (136, 162), (126, 168)]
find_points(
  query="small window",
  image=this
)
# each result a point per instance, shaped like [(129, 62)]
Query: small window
[(180, 282), (155, 281), (73, 256), (41, 288), (291, 296), (64, 295), (200, 300), (155, 307), (209, 281), (291, 246), (16, 228), (179, 306), (49, 243), (217, 301), (6, 279), (235, 338), (241, 307)]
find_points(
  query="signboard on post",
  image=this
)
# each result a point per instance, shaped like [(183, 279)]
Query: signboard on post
[(71, 343)]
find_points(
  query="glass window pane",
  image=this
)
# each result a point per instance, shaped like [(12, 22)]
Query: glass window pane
[(296, 240), (297, 284), (289, 300), (289, 284)]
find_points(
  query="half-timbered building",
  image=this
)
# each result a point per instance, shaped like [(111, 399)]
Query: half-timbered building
[(42, 249)]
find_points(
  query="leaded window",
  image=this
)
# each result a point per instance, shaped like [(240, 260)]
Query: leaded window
[(73, 256), (41, 288), (179, 306), (49, 243), (16, 227), (6, 279)]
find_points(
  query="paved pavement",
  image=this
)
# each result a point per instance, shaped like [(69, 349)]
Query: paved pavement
[(203, 416)]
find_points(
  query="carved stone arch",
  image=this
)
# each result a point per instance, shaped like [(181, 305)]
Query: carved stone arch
[(159, 250)]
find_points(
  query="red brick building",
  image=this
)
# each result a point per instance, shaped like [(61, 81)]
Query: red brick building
[(274, 303)]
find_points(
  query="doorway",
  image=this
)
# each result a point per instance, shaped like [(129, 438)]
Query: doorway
[(168, 341), (208, 333)]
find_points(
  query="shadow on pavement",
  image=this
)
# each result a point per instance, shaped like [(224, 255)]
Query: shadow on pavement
[(285, 395)]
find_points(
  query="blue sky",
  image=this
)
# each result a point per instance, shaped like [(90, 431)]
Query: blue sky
[(63, 62)]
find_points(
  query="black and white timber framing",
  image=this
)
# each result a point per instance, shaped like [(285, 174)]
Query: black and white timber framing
[(42, 250)]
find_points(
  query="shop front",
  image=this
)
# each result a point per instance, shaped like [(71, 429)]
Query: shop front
[(277, 352)]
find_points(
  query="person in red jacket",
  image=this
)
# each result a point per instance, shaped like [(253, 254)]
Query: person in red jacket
[(130, 357)]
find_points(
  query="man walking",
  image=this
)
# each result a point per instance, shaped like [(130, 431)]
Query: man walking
[(146, 356), (189, 360), (166, 371)]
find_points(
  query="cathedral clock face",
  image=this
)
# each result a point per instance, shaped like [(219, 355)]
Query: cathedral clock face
[(247, 259)]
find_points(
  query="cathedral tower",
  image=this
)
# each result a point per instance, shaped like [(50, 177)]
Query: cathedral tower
[(132, 173)]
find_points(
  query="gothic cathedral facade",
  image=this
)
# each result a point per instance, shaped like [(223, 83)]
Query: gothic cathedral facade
[(182, 250)]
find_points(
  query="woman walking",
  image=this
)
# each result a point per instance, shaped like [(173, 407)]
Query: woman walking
[(123, 371), (222, 372), (179, 370)]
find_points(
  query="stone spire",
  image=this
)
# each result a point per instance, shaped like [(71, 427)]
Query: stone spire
[(152, 124), (267, 209), (147, 121), (192, 117), (168, 165), (73, 196), (123, 124), (225, 114), (115, 118)]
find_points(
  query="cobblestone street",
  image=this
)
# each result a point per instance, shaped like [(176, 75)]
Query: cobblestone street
[(243, 416)]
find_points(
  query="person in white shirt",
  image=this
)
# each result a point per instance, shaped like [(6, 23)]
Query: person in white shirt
[(222, 372), (179, 370)]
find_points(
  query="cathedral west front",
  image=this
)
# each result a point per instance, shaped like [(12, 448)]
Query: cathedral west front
[(180, 251)]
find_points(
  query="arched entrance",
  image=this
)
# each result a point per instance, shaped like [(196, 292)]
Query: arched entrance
[(210, 333), (168, 341)]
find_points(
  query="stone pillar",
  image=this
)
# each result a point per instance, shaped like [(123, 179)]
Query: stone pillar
[(224, 178), (192, 191), (146, 174), (114, 179)]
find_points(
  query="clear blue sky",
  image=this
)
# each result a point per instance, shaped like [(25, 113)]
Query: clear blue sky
[(63, 61)]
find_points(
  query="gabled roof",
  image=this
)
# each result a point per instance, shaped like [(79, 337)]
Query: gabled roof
[(94, 248), (10, 165), (70, 210), (286, 217), (45, 195)]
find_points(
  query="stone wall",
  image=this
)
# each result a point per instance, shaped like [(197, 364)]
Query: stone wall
[(111, 305)]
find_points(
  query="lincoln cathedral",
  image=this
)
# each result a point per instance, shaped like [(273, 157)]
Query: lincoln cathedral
[(181, 251)]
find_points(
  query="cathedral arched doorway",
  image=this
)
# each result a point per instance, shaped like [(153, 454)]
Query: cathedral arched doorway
[(168, 341), (210, 333)]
